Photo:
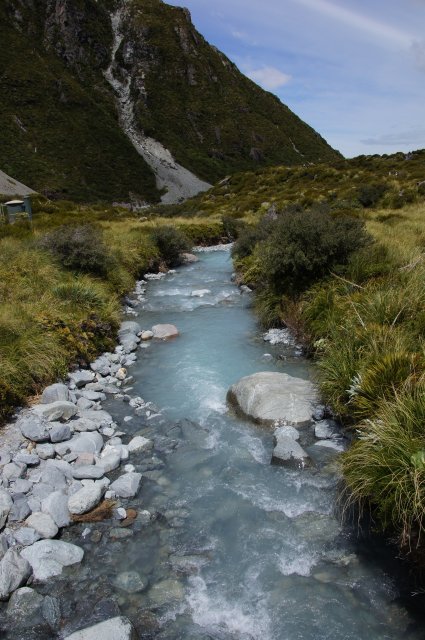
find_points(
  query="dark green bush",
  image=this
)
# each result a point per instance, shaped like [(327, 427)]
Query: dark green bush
[(304, 246), (369, 194), (250, 236), (171, 243), (80, 248)]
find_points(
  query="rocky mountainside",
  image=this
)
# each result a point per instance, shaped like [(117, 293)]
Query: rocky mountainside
[(124, 99)]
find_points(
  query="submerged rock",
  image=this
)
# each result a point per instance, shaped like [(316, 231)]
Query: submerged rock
[(130, 581), (289, 453), (24, 603), (268, 397), (118, 628)]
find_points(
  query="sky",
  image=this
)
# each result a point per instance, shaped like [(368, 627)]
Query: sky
[(352, 69)]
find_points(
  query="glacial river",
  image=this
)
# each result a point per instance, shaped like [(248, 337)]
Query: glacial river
[(238, 549)]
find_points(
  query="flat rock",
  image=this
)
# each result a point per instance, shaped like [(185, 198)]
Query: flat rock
[(289, 453), (127, 485), (88, 471), (99, 418), (139, 443), (81, 378), (59, 410), (34, 428), (6, 504), (30, 459), (56, 505), (14, 572), (48, 557), (268, 397), (164, 331), (26, 536), (43, 523), (118, 628), (87, 443), (86, 498), (287, 430), (55, 392)]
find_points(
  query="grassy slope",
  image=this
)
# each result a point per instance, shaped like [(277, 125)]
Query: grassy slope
[(52, 318), (201, 107), (60, 134)]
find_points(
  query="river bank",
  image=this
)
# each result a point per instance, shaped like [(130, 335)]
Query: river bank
[(232, 544)]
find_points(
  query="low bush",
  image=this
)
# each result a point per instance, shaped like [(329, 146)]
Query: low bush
[(171, 243), (369, 194), (80, 248)]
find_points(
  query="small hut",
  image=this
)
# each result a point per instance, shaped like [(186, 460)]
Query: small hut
[(16, 210)]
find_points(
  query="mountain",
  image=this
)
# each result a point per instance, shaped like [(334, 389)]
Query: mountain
[(124, 99)]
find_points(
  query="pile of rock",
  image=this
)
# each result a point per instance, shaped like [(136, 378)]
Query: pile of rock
[(58, 471)]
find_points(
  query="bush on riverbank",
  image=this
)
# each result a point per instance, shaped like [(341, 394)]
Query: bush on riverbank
[(171, 244)]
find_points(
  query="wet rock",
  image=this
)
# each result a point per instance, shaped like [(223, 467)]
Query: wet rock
[(6, 504), (289, 453), (81, 378), (60, 432), (288, 431), (51, 611), (88, 471), (130, 581), (164, 331), (138, 443), (118, 628), (120, 534), (24, 603), (165, 592), (59, 410), (14, 572), (187, 565), (267, 397), (34, 428), (54, 393), (48, 557), (43, 524), (127, 485), (86, 498), (189, 258), (56, 506), (20, 509), (147, 335), (325, 429), (26, 536)]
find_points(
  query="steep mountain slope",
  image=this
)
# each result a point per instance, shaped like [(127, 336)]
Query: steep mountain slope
[(101, 99)]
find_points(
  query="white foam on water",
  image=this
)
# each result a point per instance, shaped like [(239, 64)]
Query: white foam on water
[(256, 448), (261, 498), (301, 563), (213, 611), (279, 336), (216, 247)]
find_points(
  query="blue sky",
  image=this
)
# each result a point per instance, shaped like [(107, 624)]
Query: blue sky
[(353, 69)]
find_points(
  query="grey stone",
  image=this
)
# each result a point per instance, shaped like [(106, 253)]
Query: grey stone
[(101, 365), (109, 462), (56, 505), (58, 410), (289, 453), (81, 378), (48, 557), (86, 498), (55, 392), (138, 443), (331, 444), (34, 503), (129, 327), (84, 424), (14, 470), (164, 331), (94, 396), (120, 534), (130, 581), (287, 430), (60, 433), (62, 449), (118, 628), (24, 603), (34, 428), (83, 404), (5, 457), (30, 459), (45, 451), (20, 486), (43, 489), (51, 611), (87, 443), (325, 429), (43, 523), (26, 536), (100, 418), (127, 485), (268, 397), (20, 509), (14, 572), (6, 504), (88, 471), (165, 592), (4, 544)]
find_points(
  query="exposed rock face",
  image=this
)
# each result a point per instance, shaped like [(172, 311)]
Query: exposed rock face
[(269, 397)]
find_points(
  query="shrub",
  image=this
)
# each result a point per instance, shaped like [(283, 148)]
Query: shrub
[(171, 243), (80, 248), (305, 246), (369, 194)]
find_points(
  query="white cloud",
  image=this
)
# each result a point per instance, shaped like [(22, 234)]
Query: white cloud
[(269, 77)]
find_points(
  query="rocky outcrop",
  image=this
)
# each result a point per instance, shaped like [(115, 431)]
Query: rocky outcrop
[(269, 397)]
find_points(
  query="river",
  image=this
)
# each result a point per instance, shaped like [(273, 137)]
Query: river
[(238, 549)]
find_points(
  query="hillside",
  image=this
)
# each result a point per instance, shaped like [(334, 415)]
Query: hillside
[(88, 88)]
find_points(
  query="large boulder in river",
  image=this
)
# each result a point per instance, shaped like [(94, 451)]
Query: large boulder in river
[(269, 397), (118, 628), (164, 331), (288, 453)]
